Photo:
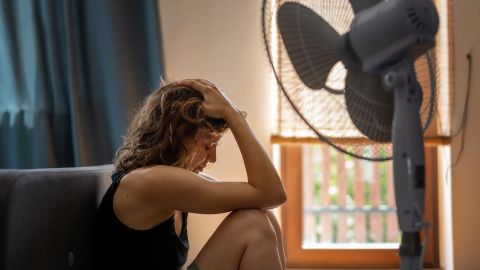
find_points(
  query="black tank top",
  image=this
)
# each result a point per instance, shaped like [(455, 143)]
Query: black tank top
[(117, 246)]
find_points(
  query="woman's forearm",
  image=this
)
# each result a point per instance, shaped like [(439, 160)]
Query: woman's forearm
[(260, 171)]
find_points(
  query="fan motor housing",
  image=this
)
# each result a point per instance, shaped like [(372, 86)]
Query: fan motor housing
[(391, 31)]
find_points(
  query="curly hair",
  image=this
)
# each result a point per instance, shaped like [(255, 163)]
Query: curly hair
[(158, 130)]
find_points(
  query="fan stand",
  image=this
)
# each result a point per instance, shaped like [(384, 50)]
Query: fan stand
[(408, 161)]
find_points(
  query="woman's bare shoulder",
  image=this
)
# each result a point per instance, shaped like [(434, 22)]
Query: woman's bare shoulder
[(152, 180)]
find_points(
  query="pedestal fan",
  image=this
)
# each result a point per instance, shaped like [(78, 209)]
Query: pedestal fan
[(356, 63)]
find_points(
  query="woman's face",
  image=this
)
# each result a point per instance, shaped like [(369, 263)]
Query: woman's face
[(205, 151)]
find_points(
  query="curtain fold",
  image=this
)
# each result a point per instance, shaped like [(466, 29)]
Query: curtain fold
[(71, 73)]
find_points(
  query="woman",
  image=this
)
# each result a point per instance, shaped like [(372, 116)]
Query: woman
[(141, 222)]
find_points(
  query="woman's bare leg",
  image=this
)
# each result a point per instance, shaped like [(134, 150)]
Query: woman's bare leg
[(246, 239), (278, 232)]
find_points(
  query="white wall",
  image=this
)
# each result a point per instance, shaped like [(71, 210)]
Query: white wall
[(220, 40), (465, 176)]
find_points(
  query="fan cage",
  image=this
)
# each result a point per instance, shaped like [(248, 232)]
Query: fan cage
[(307, 113)]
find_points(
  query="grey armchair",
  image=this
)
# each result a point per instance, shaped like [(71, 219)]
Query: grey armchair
[(46, 216)]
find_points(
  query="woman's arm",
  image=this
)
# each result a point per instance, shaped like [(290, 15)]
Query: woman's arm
[(165, 188), (260, 171)]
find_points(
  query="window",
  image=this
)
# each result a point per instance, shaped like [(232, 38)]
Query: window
[(341, 210)]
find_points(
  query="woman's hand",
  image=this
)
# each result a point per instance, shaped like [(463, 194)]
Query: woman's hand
[(216, 104)]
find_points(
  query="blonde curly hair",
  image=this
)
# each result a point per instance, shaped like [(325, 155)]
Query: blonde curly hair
[(159, 128)]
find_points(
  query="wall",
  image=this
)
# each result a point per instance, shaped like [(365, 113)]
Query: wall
[(465, 180), (220, 40)]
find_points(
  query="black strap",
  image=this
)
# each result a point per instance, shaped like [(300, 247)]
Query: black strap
[(117, 176)]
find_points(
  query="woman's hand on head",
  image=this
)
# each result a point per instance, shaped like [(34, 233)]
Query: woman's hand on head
[(216, 104)]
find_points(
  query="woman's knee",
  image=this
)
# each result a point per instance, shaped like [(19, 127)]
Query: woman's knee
[(253, 222)]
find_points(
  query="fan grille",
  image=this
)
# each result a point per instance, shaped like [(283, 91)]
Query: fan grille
[(322, 113)]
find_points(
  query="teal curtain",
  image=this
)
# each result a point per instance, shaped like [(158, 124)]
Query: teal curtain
[(71, 73)]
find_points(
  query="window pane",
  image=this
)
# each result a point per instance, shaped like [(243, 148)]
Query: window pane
[(347, 200)]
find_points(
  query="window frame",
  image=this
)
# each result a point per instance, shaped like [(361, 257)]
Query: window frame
[(291, 218)]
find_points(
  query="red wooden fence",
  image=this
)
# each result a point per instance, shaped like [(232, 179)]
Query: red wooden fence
[(347, 200)]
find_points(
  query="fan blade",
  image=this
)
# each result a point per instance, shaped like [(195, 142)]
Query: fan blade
[(359, 5), (310, 42), (370, 107)]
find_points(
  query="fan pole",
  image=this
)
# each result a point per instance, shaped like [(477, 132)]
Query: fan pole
[(408, 161)]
